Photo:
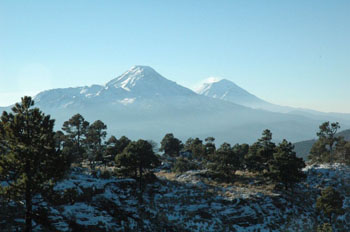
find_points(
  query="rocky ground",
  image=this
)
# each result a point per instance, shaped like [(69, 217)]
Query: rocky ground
[(187, 202)]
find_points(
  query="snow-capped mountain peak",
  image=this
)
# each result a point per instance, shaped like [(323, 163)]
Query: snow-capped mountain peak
[(227, 90), (130, 78), (219, 88), (145, 81)]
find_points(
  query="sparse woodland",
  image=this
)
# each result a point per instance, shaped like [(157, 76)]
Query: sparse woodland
[(35, 161)]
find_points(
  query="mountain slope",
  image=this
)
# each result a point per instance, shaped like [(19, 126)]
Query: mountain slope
[(140, 82), (229, 91), (141, 103)]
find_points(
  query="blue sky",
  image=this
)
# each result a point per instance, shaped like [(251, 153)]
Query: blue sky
[(293, 53)]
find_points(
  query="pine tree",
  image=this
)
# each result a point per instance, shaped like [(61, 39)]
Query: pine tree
[(225, 162), (323, 149), (286, 167), (241, 150), (260, 153), (76, 129), (210, 147), (136, 159), (95, 136), (30, 161), (196, 147), (115, 147), (330, 203), (171, 145), (183, 165)]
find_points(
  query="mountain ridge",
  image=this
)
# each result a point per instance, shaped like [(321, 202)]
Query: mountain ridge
[(227, 90), (141, 103)]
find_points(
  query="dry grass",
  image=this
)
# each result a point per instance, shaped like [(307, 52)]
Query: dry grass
[(167, 175), (243, 183)]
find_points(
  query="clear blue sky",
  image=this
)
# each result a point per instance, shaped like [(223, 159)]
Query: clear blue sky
[(293, 53)]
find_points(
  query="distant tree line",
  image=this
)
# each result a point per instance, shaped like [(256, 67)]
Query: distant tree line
[(277, 162)]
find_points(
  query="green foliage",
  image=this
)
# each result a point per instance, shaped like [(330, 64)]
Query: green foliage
[(286, 167), (319, 152), (225, 162), (76, 130), (171, 145), (115, 146), (330, 203), (196, 147), (136, 159), (241, 150), (343, 152), (323, 150), (326, 227), (260, 153), (95, 135), (210, 147), (183, 165), (30, 160)]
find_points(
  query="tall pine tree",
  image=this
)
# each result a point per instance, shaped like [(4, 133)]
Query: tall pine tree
[(95, 136), (286, 167), (76, 129), (30, 161), (260, 153)]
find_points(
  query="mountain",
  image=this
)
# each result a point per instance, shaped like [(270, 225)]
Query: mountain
[(229, 91), (303, 148), (136, 84), (141, 103)]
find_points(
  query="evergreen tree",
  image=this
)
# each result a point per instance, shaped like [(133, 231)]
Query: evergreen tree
[(136, 159), (196, 147), (183, 165), (345, 153), (260, 153), (111, 149), (123, 142), (342, 151), (65, 145), (286, 167), (330, 203), (209, 146), (95, 136), (115, 146), (171, 145), (225, 162), (322, 150), (241, 150), (319, 152), (60, 139), (30, 160), (76, 129), (155, 146)]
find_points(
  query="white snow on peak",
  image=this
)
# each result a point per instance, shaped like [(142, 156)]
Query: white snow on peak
[(206, 84), (212, 80), (139, 82), (129, 79)]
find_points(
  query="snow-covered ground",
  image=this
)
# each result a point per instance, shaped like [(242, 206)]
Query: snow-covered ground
[(86, 203)]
